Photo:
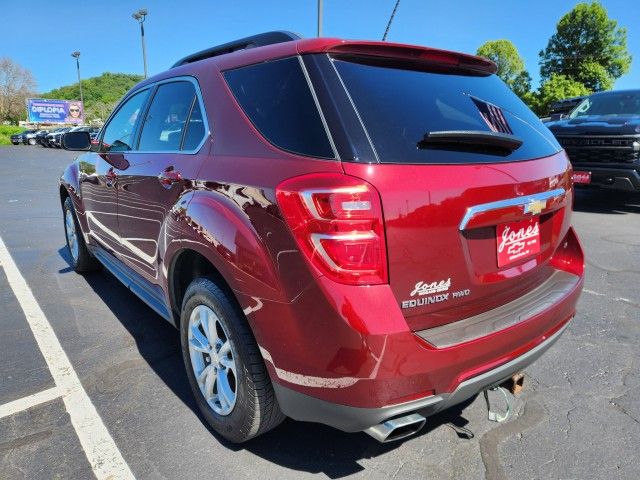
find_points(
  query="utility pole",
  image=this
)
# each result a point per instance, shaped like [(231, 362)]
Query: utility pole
[(140, 17), (76, 55), (393, 14), (319, 18)]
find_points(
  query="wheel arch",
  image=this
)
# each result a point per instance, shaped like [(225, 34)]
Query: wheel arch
[(186, 265), (70, 187), (63, 194)]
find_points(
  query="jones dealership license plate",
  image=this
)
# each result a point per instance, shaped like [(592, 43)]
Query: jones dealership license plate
[(518, 240), (581, 177)]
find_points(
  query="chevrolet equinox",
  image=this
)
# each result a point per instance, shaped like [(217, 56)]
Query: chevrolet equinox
[(354, 233)]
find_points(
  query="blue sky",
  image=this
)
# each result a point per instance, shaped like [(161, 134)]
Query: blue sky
[(41, 34)]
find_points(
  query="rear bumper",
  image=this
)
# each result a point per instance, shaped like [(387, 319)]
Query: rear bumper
[(625, 179), (345, 356), (354, 419)]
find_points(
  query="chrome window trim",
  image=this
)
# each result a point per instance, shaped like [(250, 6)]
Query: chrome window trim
[(153, 87), (510, 202), (205, 119)]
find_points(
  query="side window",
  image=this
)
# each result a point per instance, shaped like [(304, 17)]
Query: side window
[(118, 133), (276, 98), (195, 128), (167, 117)]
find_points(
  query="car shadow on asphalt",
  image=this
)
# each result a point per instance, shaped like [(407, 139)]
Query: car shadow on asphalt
[(315, 448), (600, 200), (299, 446)]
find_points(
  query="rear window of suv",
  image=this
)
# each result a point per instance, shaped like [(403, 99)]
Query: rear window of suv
[(277, 99), (399, 106)]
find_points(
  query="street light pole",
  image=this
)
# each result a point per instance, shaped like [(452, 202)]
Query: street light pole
[(319, 18), (140, 17), (76, 55)]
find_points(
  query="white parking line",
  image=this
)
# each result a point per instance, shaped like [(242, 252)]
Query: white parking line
[(616, 299), (100, 449), (26, 403)]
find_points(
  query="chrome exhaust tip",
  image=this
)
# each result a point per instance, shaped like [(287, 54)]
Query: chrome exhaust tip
[(397, 428)]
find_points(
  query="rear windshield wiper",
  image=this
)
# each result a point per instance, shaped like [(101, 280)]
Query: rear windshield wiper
[(478, 141)]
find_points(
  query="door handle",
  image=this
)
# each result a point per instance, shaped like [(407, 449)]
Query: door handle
[(168, 177), (110, 177)]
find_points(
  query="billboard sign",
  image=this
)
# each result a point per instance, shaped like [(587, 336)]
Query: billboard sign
[(55, 111)]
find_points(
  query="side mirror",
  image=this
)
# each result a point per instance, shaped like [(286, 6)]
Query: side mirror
[(76, 141)]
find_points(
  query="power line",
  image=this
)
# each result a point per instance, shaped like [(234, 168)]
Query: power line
[(393, 14)]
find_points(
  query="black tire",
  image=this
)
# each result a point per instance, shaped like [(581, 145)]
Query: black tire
[(256, 409), (84, 261)]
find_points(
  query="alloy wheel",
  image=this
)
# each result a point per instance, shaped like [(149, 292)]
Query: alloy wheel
[(72, 236), (213, 360)]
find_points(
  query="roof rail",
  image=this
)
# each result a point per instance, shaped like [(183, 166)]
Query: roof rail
[(260, 40)]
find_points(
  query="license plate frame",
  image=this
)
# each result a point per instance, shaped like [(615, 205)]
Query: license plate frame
[(516, 241)]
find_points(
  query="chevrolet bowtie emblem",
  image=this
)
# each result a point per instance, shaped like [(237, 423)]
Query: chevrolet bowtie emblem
[(534, 207)]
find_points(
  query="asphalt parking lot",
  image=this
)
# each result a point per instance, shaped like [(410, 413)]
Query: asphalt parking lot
[(578, 417)]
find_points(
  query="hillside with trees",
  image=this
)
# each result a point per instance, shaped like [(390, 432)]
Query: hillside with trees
[(101, 94)]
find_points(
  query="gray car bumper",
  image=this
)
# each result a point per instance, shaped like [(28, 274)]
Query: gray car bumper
[(354, 419)]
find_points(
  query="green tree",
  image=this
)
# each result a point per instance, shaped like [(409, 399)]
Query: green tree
[(595, 76), (588, 47), (522, 84), (101, 93), (16, 85), (557, 87), (510, 64)]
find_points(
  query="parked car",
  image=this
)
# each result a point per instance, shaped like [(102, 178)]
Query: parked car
[(560, 109), (55, 139), (93, 132), (41, 135), (30, 138), (48, 139), (358, 234), (58, 139), (602, 139), (17, 138)]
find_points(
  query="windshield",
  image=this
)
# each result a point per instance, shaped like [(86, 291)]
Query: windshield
[(619, 103)]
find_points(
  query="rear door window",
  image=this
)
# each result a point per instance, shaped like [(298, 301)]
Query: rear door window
[(276, 97), (399, 106), (167, 117), (195, 129)]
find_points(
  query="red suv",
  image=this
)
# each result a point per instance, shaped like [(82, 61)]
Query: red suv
[(354, 233)]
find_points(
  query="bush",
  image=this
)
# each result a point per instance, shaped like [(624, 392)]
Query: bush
[(6, 131)]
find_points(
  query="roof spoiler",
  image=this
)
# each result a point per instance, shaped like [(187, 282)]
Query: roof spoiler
[(260, 40), (403, 52)]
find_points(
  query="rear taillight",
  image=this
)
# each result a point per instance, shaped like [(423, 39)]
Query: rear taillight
[(337, 221)]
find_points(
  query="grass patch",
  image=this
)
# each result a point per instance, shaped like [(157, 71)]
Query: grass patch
[(6, 131)]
